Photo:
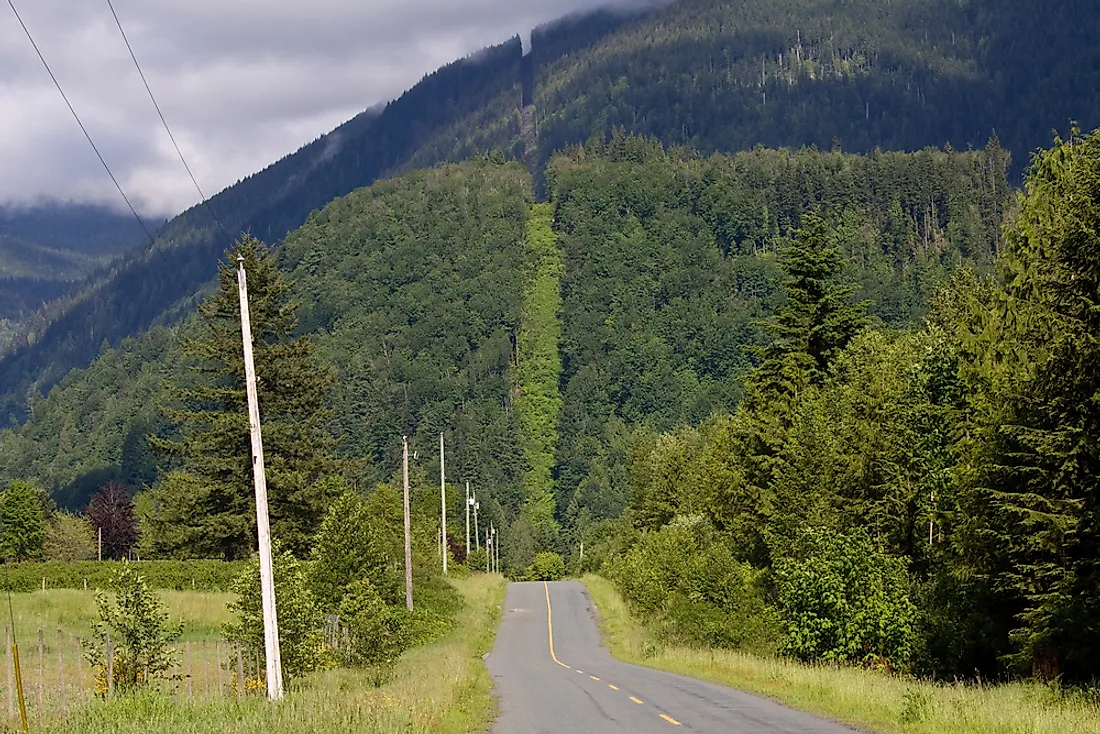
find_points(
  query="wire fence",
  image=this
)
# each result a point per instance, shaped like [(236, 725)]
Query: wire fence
[(59, 680)]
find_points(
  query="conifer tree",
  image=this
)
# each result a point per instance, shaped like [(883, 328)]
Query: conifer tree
[(1036, 372), (207, 509)]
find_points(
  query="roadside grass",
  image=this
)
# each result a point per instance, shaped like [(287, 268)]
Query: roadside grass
[(866, 699), (440, 687)]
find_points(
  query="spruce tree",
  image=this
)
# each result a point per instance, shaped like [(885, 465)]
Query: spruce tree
[(207, 507), (1036, 371)]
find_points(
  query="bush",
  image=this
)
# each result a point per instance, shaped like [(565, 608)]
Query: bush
[(178, 575), (141, 635), (349, 547), (842, 600), (547, 567), (684, 580), (374, 627), (478, 560), (301, 642)]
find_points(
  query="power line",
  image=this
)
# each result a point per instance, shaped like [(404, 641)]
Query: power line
[(83, 129), (153, 99)]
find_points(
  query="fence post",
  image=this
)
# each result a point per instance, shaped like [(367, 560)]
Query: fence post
[(80, 668), (11, 675), (205, 671), (218, 666), (41, 677), (110, 667), (187, 668), (240, 673), (61, 674)]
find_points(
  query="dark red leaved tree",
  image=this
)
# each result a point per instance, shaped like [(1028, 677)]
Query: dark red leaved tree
[(112, 510)]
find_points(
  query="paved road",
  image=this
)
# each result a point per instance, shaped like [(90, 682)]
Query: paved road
[(553, 674)]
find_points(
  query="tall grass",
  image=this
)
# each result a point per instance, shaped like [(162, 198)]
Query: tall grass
[(871, 700), (441, 687)]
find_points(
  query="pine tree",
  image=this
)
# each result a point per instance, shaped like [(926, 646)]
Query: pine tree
[(111, 512), (207, 508), (1037, 367), (23, 518)]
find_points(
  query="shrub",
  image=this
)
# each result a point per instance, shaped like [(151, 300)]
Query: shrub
[(301, 643), (843, 600), (478, 560), (685, 581), (375, 628), (178, 575), (141, 635), (350, 546), (547, 567)]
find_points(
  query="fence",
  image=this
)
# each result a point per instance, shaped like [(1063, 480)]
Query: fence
[(58, 680)]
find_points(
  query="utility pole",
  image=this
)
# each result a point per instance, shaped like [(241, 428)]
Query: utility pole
[(496, 557), (443, 504), (488, 549), (477, 506), (100, 544), (469, 502), (408, 526), (267, 583)]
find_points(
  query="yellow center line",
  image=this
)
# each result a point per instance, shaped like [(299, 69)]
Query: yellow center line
[(614, 688), (581, 672), (636, 700), (593, 677), (550, 626), (670, 720)]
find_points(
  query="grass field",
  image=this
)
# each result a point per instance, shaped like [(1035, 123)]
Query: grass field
[(873, 701), (441, 687)]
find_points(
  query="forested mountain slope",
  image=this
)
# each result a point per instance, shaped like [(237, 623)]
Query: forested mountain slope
[(46, 249), (719, 76), (157, 286), (416, 291)]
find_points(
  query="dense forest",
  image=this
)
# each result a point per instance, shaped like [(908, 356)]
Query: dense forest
[(717, 76), (664, 263)]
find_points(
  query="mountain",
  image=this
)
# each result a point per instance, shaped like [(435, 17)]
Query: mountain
[(46, 249), (428, 294), (855, 75)]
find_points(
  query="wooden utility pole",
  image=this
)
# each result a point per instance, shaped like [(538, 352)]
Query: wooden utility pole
[(263, 528), (468, 503), (477, 506), (443, 504), (100, 544), (408, 527)]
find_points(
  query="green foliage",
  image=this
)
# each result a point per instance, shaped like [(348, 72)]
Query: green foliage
[(547, 567), (140, 632), (1031, 359), (375, 628), (205, 508), (301, 643), (684, 580), (22, 521), (842, 600), (69, 538), (538, 399), (478, 560), (177, 575), (352, 547)]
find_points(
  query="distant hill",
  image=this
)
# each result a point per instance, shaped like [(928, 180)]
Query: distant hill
[(856, 75), (46, 250)]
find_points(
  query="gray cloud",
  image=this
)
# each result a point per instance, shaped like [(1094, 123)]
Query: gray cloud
[(242, 82)]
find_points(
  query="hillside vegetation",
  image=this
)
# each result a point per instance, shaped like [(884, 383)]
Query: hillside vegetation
[(719, 76)]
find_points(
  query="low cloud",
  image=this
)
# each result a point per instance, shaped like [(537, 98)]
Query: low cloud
[(242, 83)]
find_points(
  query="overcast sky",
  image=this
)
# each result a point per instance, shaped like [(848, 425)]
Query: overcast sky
[(241, 82)]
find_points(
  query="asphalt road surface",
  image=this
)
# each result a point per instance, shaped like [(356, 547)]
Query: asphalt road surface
[(553, 674)]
